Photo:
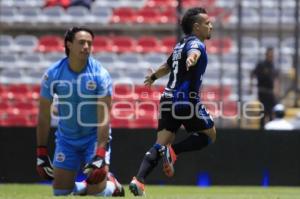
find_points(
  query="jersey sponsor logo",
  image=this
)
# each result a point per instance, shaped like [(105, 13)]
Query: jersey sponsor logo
[(91, 85), (60, 157)]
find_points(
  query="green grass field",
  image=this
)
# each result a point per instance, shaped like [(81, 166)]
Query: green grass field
[(31, 191)]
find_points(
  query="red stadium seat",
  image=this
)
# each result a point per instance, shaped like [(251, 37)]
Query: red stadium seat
[(162, 3), (123, 44), (102, 44), (124, 92), (15, 119), (196, 3), (148, 16), (124, 15), (17, 92), (27, 108), (168, 16), (148, 44), (229, 108), (168, 43), (219, 45), (50, 43)]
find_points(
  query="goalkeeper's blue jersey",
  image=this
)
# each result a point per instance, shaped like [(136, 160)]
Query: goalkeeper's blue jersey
[(77, 95)]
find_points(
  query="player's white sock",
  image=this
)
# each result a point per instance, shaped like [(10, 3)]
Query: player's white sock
[(109, 189)]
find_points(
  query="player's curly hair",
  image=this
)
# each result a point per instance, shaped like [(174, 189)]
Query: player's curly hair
[(70, 35), (190, 18)]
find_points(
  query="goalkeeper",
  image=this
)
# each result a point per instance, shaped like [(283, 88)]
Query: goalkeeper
[(83, 88)]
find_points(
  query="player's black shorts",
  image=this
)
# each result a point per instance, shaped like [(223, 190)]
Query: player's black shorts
[(194, 117)]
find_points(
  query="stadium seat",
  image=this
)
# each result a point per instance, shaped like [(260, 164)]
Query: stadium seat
[(108, 60), (30, 15), (78, 14), (64, 3), (111, 3), (26, 43), (9, 15), (268, 41), (130, 61), (9, 60), (124, 15), (270, 16), (50, 43), (7, 44), (11, 76), (27, 107), (219, 45), (155, 59), (168, 16), (250, 45), (161, 3), (148, 44), (102, 44), (288, 16), (53, 57), (196, 3), (168, 43), (18, 92), (33, 60), (53, 15), (148, 16), (122, 91), (123, 44), (34, 75), (16, 119), (100, 15)]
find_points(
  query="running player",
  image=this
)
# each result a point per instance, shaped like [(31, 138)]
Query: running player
[(180, 103)]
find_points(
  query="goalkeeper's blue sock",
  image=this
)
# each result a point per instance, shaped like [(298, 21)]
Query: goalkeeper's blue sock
[(149, 162), (194, 142)]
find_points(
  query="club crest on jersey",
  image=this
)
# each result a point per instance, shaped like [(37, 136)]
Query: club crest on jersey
[(194, 44), (60, 157), (90, 85)]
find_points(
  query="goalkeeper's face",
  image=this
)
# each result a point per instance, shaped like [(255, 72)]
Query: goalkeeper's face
[(81, 46)]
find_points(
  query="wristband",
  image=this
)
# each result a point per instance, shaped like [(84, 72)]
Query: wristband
[(100, 152), (153, 77), (42, 151)]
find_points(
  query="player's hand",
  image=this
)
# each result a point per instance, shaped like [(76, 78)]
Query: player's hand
[(96, 170), (148, 81), (43, 165)]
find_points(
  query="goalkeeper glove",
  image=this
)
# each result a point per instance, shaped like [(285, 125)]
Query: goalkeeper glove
[(44, 166), (96, 169)]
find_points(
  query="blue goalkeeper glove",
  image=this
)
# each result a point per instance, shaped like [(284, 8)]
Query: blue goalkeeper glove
[(44, 166), (95, 170)]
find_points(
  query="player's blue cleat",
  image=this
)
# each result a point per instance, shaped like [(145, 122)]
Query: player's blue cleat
[(136, 187), (169, 158)]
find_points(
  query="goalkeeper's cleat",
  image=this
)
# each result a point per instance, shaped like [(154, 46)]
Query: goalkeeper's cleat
[(119, 191), (169, 158), (136, 187)]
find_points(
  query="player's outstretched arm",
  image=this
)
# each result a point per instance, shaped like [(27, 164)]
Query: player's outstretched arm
[(192, 59), (160, 72), (44, 166)]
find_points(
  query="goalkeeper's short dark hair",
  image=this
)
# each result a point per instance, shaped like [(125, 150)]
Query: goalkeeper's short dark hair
[(70, 35), (189, 18)]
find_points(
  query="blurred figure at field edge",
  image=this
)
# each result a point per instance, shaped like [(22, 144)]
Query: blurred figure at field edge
[(267, 84)]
